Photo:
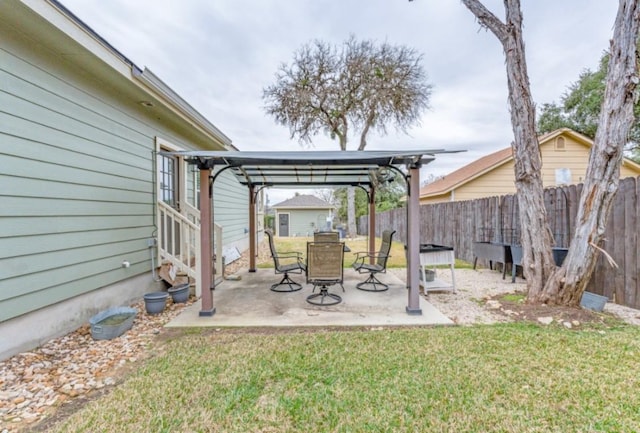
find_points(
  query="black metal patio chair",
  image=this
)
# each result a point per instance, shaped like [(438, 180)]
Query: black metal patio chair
[(291, 264), (362, 265)]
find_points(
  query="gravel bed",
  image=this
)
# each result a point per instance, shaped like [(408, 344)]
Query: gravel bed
[(473, 288), (471, 303), (33, 384)]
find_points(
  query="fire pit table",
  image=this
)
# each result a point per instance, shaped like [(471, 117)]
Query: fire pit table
[(432, 255)]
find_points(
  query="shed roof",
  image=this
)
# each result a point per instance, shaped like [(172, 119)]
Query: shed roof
[(304, 201)]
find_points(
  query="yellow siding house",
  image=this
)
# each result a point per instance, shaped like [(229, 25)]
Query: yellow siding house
[(565, 155)]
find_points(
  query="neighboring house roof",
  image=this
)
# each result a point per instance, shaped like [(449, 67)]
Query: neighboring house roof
[(304, 201), (489, 162), (467, 173)]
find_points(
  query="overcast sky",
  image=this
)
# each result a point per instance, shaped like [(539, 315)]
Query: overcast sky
[(219, 55)]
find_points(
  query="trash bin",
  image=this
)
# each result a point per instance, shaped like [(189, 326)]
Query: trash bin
[(341, 231)]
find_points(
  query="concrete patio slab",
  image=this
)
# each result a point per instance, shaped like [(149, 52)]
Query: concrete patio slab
[(248, 302)]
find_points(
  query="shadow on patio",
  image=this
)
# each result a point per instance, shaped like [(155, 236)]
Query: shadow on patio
[(249, 302)]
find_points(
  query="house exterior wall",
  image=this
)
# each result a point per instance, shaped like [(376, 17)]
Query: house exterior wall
[(303, 222), (231, 210), (77, 169), (498, 181), (573, 156), (442, 198)]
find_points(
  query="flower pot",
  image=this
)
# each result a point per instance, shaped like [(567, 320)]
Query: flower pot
[(155, 302), (112, 323), (179, 293), (429, 275)]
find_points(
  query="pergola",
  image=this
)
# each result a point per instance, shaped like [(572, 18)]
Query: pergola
[(257, 170)]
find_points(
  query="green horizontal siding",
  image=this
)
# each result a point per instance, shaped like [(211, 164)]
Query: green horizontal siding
[(303, 222), (54, 262), (37, 299), (111, 129), (38, 226), (77, 180), (231, 208), (35, 141), (27, 206), (40, 188), (53, 84), (53, 242), (18, 166)]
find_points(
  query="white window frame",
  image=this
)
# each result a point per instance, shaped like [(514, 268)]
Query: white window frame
[(180, 187)]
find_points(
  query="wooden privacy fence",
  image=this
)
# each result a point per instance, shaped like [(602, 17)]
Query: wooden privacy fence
[(495, 219)]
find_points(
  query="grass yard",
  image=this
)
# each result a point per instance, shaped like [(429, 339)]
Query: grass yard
[(397, 257), (500, 378)]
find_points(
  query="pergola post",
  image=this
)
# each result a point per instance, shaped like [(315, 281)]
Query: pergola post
[(372, 225), (206, 225), (413, 240), (252, 229)]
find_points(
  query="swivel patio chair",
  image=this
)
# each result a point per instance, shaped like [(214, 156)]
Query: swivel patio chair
[(330, 237), (362, 265), (294, 265), (324, 268), (326, 237)]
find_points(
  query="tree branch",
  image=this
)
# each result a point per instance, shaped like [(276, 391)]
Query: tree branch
[(487, 19)]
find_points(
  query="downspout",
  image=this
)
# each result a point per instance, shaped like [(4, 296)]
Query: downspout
[(152, 242)]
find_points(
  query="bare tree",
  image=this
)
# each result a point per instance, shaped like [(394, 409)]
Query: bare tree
[(326, 194), (546, 283), (536, 238), (361, 86)]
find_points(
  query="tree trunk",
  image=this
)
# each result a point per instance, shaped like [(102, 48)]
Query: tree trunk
[(352, 230), (536, 239), (602, 178)]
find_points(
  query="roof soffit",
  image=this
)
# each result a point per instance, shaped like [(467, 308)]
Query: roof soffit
[(54, 27)]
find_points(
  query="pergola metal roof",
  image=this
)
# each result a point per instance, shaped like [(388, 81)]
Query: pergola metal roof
[(311, 168)]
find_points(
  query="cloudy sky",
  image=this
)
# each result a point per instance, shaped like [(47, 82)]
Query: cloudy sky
[(219, 55)]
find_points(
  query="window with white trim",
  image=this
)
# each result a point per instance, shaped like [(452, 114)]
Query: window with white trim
[(169, 172)]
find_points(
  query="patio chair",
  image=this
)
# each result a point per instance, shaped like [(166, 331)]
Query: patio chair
[(326, 237), (372, 284), (296, 266), (330, 237), (324, 268)]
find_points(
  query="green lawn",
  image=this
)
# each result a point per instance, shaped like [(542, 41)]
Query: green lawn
[(397, 257), (499, 378)]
